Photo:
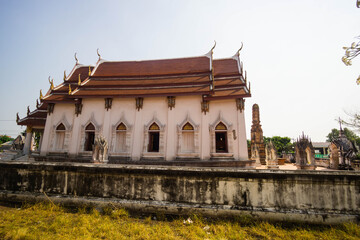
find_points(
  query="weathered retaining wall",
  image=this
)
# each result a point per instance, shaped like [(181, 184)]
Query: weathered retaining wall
[(312, 196)]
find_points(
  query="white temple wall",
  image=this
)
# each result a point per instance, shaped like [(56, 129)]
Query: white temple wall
[(44, 149), (92, 112), (187, 109), (63, 113), (242, 142), (224, 111), (153, 110), (122, 111)]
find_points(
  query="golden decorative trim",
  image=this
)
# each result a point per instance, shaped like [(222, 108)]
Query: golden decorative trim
[(79, 82)]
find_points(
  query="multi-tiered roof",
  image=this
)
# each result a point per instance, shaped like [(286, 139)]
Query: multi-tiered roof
[(210, 78)]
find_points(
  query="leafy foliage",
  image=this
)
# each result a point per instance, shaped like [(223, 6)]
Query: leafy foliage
[(348, 133), (4, 138), (282, 144)]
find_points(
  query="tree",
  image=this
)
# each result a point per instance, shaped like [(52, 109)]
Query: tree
[(347, 132), (4, 139), (282, 144), (353, 122), (332, 135)]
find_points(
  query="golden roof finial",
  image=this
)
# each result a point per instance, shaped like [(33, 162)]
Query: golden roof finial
[(97, 51), (245, 77), (89, 71), (79, 82), (69, 89), (238, 52), (41, 96), (77, 61), (212, 49), (64, 75), (28, 110), (17, 117), (51, 83)]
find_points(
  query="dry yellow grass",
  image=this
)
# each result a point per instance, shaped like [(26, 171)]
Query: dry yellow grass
[(44, 221)]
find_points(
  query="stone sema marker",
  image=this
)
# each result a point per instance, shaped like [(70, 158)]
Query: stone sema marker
[(156, 110)]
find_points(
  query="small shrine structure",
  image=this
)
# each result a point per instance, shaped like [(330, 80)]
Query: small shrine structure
[(304, 153), (271, 156), (342, 151), (257, 137)]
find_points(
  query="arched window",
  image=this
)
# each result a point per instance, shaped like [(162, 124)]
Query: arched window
[(154, 138), (121, 138), (89, 137), (60, 137), (221, 138), (187, 138)]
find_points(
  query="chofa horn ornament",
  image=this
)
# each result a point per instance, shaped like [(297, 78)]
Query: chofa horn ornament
[(76, 59)]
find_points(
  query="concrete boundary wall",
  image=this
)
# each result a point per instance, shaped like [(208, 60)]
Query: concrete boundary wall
[(308, 196)]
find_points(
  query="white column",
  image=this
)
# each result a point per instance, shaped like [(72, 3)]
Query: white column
[(171, 135), (137, 140), (28, 140), (46, 139), (75, 136), (243, 150), (205, 137), (106, 125)]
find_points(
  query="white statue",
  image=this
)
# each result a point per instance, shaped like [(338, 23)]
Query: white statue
[(100, 150)]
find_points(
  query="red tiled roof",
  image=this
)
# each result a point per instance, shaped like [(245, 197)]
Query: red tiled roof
[(82, 70), (153, 67), (225, 67), (36, 117), (184, 76)]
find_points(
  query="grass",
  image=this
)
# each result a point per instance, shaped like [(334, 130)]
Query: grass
[(48, 221)]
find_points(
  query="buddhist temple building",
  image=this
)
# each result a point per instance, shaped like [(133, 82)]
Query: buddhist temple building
[(169, 109)]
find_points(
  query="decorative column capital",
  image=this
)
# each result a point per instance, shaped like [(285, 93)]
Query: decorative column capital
[(171, 102), (240, 104), (108, 103), (50, 108), (139, 103)]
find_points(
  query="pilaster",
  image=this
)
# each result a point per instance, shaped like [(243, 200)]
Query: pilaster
[(75, 140), (205, 137), (28, 140), (47, 132), (137, 139), (242, 142), (171, 135)]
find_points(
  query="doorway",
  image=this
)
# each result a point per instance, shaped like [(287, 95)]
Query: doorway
[(154, 138), (221, 142)]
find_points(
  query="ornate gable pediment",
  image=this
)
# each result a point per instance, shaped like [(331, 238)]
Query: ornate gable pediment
[(92, 121), (63, 120), (188, 120), (122, 120), (154, 120), (220, 119)]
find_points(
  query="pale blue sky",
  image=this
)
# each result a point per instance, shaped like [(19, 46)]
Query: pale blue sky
[(292, 51)]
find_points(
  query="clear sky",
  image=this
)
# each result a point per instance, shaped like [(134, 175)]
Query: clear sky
[(292, 51)]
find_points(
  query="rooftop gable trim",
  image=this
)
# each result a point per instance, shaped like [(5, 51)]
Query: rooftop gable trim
[(77, 66)]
